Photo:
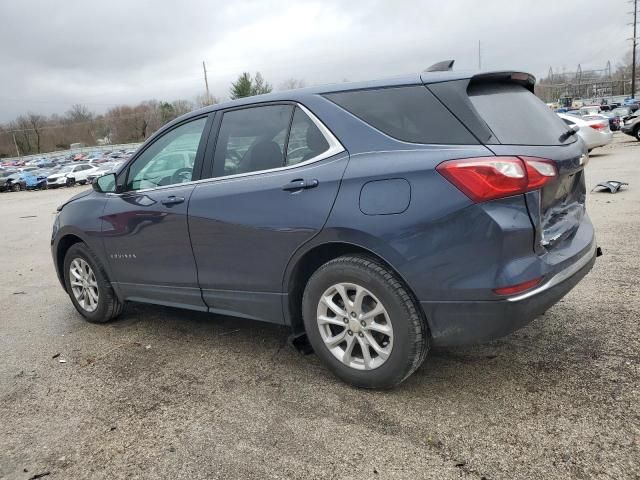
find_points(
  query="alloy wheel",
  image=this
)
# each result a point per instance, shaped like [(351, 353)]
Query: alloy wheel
[(355, 326), (83, 284)]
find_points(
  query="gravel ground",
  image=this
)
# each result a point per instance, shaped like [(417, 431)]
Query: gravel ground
[(164, 393)]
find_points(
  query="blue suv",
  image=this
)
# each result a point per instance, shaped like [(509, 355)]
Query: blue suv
[(378, 219)]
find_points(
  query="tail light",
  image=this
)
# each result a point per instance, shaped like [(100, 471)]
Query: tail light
[(488, 178), (599, 126)]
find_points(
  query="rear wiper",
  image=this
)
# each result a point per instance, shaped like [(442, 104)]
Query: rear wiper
[(567, 134)]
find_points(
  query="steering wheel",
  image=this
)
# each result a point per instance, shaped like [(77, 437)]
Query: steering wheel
[(234, 155), (181, 175)]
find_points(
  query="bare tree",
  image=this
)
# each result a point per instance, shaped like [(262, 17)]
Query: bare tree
[(205, 100), (79, 113), (37, 122), (292, 84), (182, 106), (20, 127)]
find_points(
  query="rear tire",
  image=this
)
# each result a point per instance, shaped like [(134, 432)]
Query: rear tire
[(636, 133), (15, 187), (396, 339), (99, 303)]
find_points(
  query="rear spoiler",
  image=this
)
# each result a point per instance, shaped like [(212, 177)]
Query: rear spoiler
[(444, 66), (525, 79)]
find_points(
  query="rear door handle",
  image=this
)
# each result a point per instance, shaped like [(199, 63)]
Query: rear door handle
[(299, 184), (172, 200)]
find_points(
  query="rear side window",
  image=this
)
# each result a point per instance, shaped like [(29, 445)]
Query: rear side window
[(411, 114), (516, 116), (305, 140)]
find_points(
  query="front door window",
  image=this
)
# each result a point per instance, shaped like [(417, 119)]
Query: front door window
[(169, 160)]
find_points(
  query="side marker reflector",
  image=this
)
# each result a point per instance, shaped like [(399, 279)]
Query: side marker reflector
[(519, 288)]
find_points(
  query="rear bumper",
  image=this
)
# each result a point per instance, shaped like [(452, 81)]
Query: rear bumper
[(595, 138), (469, 322)]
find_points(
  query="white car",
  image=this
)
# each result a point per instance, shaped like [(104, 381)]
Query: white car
[(70, 175), (594, 129)]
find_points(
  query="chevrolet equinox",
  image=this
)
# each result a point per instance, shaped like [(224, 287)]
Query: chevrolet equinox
[(378, 218)]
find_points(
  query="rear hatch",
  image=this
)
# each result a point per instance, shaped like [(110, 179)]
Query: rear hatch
[(501, 110)]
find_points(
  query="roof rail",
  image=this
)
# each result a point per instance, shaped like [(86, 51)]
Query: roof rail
[(444, 66)]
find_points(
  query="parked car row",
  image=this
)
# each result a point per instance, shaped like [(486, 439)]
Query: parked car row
[(15, 179), (54, 159), (615, 113)]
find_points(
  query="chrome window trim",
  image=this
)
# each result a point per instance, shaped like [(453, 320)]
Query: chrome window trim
[(335, 147)]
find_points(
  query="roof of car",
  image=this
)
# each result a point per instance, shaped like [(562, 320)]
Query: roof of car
[(411, 79), (298, 94)]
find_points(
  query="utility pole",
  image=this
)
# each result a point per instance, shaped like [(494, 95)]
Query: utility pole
[(480, 57), (16, 144), (635, 39), (206, 82)]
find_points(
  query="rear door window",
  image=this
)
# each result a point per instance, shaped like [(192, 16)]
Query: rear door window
[(411, 114), (516, 116), (252, 139)]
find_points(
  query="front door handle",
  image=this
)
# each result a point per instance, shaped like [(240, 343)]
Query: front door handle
[(172, 200), (299, 184)]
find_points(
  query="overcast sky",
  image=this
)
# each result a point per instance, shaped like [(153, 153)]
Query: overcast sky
[(101, 53)]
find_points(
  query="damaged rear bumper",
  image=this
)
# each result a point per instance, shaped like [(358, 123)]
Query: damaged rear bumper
[(469, 322)]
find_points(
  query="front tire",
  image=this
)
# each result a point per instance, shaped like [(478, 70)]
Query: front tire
[(88, 286), (637, 133), (363, 322)]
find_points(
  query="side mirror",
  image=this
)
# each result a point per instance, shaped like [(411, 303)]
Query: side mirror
[(105, 183)]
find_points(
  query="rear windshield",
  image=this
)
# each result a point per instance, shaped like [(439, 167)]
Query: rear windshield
[(516, 116), (411, 114)]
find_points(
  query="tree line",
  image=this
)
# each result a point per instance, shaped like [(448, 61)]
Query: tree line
[(32, 133)]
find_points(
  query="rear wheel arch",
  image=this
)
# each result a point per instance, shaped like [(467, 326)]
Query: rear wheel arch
[(313, 259)]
